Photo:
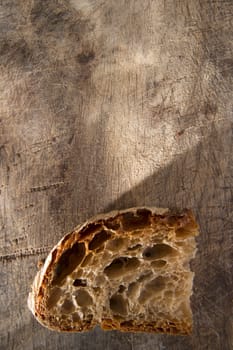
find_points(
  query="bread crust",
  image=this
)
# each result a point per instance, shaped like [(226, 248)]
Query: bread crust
[(83, 232)]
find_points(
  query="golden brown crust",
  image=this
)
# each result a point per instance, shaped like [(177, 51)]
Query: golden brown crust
[(125, 222), (173, 328)]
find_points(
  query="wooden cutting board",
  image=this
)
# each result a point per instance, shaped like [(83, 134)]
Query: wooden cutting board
[(107, 105)]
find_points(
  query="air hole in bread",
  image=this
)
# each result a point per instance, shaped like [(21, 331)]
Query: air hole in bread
[(126, 324), (121, 266), (160, 330), (143, 212), (99, 240), (76, 317), (145, 276), (90, 229), (87, 260), (83, 298), (89, 317), (158, 251), (100, 280), (67, 307), (135, 247), (152, 288), (157, 284), (68, 262), (121, 288), (130, 221), (55, 295), (100, 249), (79, 283), (133, 289), (118, 304), (112, 224), (169, 294), (158, 263), (115, 244), (77, 274)]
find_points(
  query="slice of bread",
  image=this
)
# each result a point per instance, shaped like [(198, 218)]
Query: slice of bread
[(125, 270)]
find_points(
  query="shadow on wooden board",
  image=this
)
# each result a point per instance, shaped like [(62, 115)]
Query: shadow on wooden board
[(200, 179)]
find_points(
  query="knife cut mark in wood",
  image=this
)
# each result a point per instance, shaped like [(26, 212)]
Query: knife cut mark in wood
[(23, 253), (46, 187)]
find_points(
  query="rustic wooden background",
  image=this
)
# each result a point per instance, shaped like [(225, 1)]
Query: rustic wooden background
[(109, 104)]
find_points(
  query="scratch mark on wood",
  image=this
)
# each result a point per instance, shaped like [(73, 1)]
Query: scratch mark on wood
[(19, 239), (25, 207), (46, 187), (23, 253)]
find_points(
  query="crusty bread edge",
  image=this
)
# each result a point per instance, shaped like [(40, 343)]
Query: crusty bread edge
[(41, 274)]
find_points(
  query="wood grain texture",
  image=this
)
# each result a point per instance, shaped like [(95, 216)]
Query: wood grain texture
[(107, 105)]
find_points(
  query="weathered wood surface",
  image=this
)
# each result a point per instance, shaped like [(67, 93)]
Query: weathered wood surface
[(112, 104)]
